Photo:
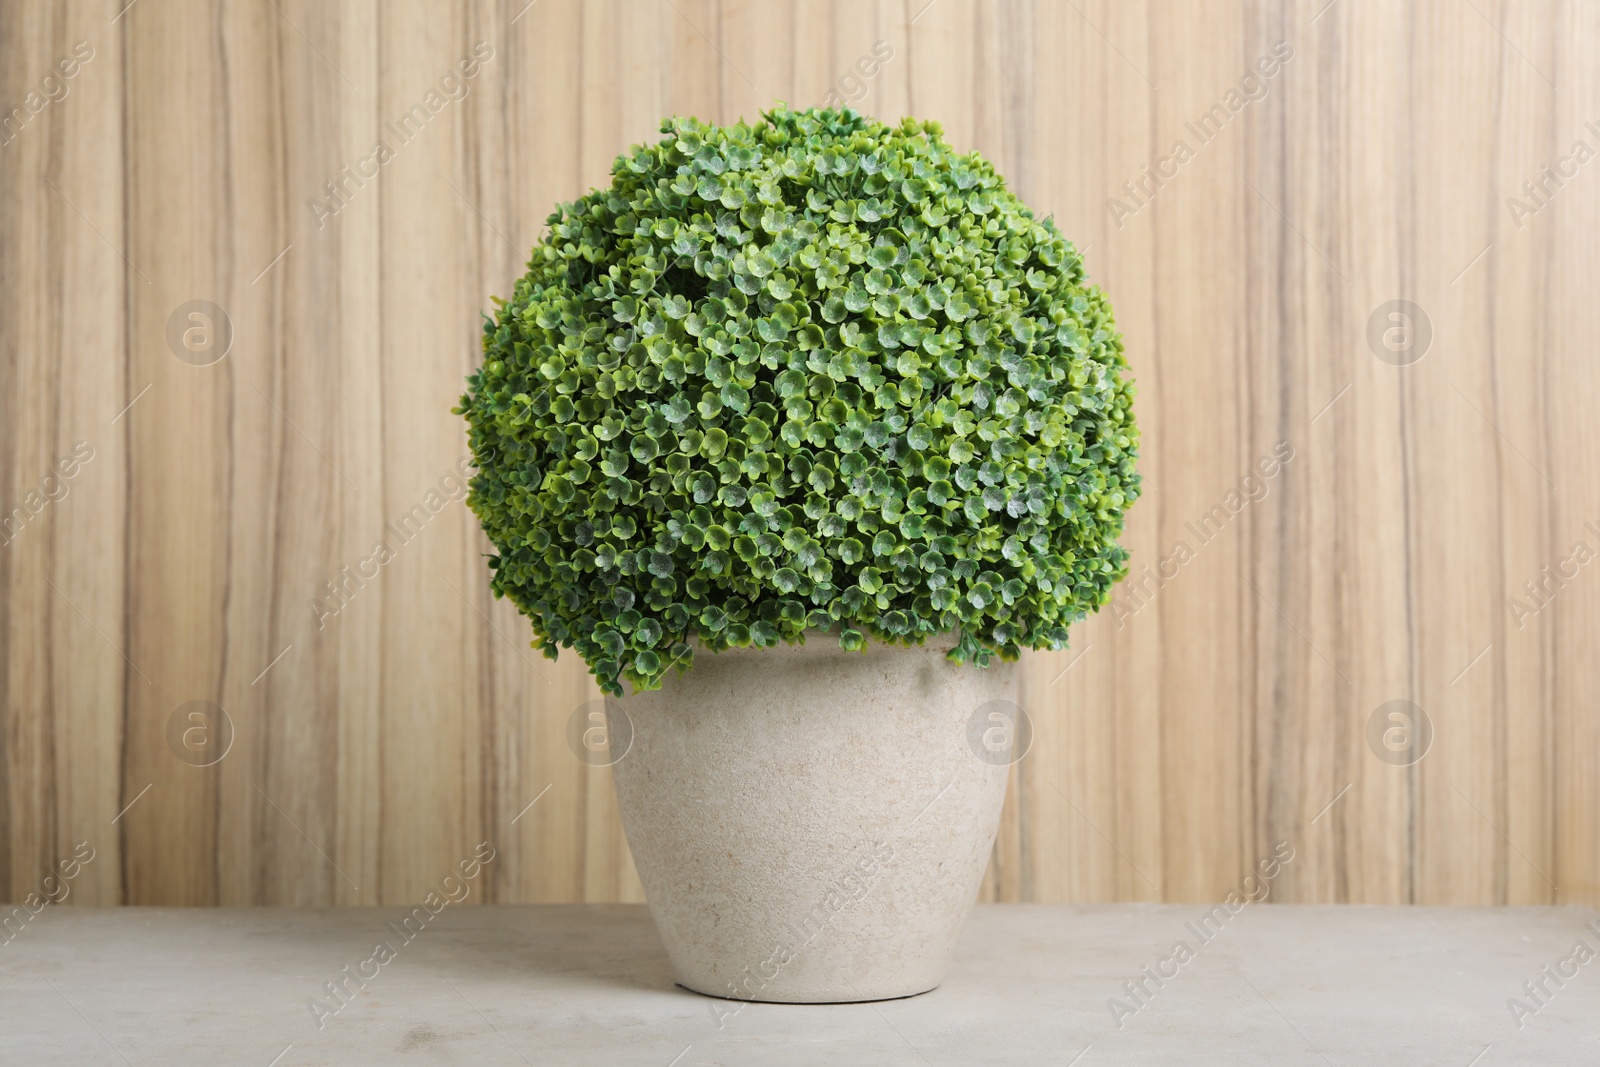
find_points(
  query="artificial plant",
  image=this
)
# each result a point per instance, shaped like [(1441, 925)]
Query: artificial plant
[(811, 373)]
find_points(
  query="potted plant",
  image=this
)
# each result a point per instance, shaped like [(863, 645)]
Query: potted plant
[(799, 433)]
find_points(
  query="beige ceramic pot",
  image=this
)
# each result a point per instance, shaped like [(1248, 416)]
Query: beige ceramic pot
[(811, 825)]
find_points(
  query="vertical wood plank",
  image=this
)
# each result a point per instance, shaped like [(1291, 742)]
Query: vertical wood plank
[(1554, 804), (180, 484), (64, 506)]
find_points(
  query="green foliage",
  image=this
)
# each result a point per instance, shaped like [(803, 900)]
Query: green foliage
[(812, 373)]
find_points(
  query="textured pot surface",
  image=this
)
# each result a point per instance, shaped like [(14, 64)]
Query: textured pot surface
[(810, 824)]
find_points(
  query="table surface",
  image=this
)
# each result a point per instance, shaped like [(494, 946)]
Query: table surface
[(1030, 984)]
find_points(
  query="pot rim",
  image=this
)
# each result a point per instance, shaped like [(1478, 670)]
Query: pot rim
[(814, 641)]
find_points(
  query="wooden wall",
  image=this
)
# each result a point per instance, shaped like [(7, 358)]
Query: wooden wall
[(1224, 703)]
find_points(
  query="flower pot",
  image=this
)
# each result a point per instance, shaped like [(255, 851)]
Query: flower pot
[(811, 825)]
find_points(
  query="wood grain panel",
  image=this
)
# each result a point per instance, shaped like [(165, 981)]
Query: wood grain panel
[(280, 532)]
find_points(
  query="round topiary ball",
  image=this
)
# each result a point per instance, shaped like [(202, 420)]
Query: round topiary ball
[(814, 373)]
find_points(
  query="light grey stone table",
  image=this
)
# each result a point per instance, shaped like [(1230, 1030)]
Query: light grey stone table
[(590, 985)]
